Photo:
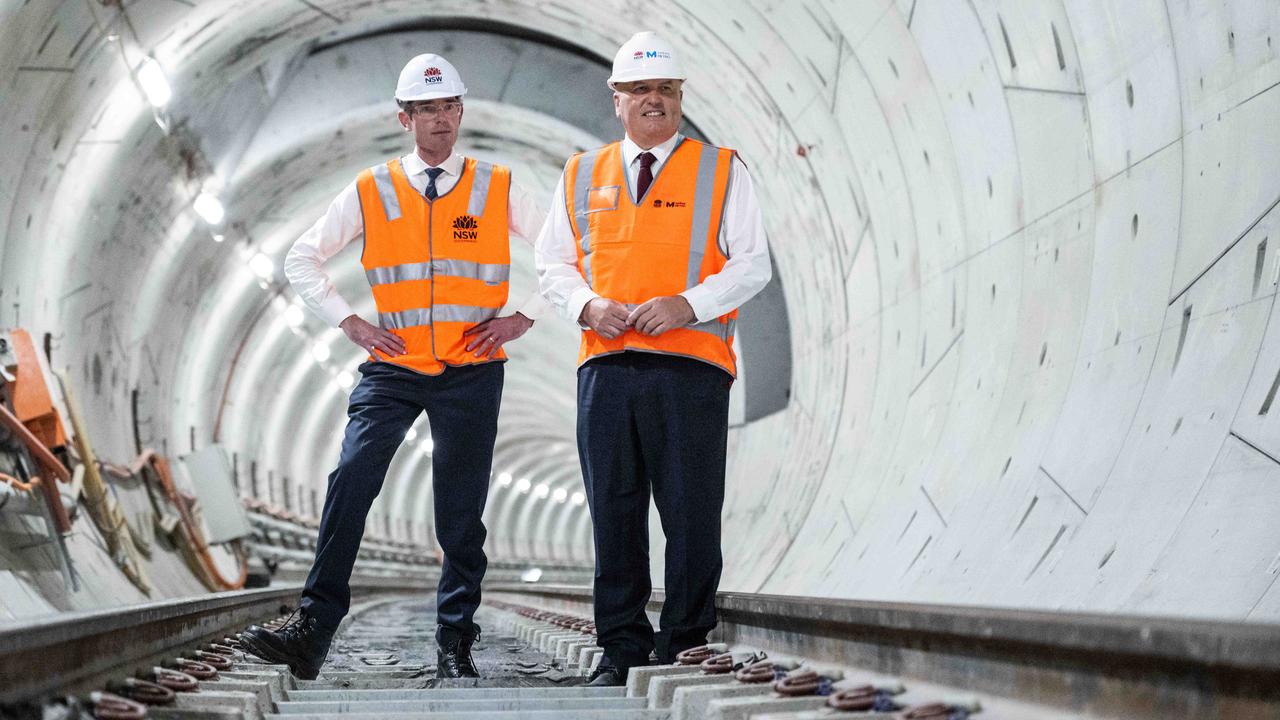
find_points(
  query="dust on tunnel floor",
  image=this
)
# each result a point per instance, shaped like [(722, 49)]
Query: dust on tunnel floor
[(393, 644)]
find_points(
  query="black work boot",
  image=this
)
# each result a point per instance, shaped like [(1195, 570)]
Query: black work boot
[(302, 644), (453, 653), (608, 676)]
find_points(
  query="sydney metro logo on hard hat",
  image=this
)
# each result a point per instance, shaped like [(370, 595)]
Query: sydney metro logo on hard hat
[(432, 76), (646, 54)]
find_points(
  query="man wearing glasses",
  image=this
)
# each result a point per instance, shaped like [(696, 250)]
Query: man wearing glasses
[(651, 245), (435, 228)]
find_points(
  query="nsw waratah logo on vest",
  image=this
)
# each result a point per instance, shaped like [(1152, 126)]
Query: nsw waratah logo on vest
[(465, 227)]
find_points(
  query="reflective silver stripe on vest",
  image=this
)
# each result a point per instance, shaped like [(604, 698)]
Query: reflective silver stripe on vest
[(581, 184), (480, 189), (463, 313), (405, 319), (724, 331), (702, 198), (491, 273), (398, 273), (418, 317), (387, 192)]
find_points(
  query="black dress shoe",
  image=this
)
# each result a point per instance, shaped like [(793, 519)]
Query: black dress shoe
[(302, 644), (608, 676), (453, 653)]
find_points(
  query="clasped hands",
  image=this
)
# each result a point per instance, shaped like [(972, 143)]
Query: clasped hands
[(611, 318)]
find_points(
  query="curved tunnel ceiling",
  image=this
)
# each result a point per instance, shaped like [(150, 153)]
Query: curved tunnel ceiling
[(1025, 248)]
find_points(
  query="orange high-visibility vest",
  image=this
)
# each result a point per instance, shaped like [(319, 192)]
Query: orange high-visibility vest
[(437, 267), (663, 244)]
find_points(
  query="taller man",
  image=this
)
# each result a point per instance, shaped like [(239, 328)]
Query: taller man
[(651, 245), (435, 228)]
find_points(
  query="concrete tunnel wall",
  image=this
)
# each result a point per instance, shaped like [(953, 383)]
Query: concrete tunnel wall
[(1025, 248)]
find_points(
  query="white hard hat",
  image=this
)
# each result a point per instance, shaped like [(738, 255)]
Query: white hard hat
[(428, 77), (646, 56)]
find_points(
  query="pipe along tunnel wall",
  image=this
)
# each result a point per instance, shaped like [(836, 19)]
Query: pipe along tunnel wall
[(1026, 278)]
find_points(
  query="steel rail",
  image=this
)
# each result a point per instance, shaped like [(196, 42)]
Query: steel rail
[(75, 650), (1106, 665), (1110, 665)]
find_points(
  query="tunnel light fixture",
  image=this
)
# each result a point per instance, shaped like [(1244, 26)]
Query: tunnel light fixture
[(578, 498), (262, 266), (428, 445), (209, 207), (411, 435), (320, 351), (219, 237), (532, 575), (505, 479), (542, 490), (154, 83), (523, 485), (345, 380), (560, 495), (293, 316)]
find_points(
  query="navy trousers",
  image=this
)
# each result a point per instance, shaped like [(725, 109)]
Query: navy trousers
[(657, 424), (462, 406)]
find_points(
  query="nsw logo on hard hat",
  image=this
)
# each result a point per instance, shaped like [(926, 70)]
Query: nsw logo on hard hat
[(466, 228), (432, 75)]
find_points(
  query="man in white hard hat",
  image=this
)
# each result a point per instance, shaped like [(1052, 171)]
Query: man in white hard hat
[(651, 245), (435, 228)]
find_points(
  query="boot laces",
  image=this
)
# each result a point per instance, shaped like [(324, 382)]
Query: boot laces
[(297, 626), (465, 661)]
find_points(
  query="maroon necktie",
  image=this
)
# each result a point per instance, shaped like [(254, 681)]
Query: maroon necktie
[(646, 174)]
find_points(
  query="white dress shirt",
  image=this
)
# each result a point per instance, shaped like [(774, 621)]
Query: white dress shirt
[(741, 236), (343, 224)]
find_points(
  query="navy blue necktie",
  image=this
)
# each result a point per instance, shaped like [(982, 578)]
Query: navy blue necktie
[(432, 174)]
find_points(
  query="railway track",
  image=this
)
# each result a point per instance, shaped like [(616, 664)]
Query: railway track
[(781, 657)]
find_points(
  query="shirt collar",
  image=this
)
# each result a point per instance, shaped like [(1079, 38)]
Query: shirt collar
[(414, 164), (630, 150)]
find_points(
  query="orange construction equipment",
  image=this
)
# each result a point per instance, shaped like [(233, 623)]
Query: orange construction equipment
[(32, 401), (437, 267), (35, 421), (662, 244)]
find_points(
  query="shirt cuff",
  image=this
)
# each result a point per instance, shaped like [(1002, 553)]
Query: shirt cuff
[(702, 302), (334, 310), (534, 307), (578, 300)]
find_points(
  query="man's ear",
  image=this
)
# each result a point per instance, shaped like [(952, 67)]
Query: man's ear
[(404, 121), (617, 104)]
